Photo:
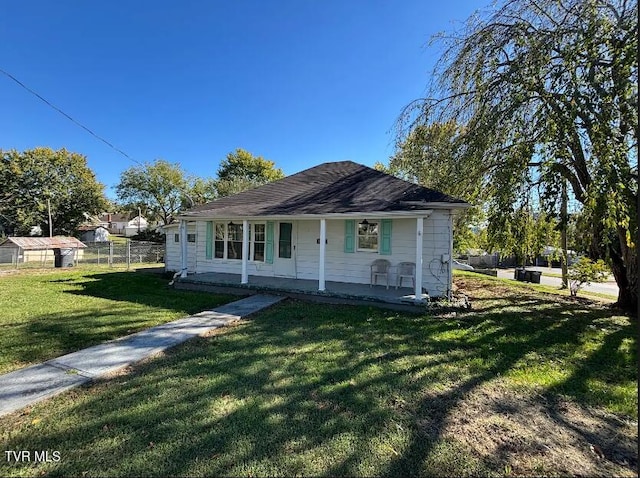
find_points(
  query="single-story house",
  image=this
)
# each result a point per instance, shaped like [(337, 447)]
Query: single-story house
[(93, 233), (122, 224), (328, 223), (39, 249)]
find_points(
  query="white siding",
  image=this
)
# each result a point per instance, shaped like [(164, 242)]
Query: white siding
[(339, 266), (436, 243), (354, 267), (172, 250)]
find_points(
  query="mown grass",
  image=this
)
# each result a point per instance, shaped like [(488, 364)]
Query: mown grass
[(588, 349), (48, 313), (306, 389)]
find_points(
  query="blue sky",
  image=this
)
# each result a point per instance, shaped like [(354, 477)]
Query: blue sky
[(299, 82)]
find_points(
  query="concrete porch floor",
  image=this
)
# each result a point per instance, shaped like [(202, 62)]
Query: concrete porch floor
[(284, 285)]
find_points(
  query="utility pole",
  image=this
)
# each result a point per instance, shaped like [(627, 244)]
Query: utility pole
[(50, 221)]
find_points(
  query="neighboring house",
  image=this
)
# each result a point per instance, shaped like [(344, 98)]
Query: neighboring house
[(551, 257), (39, 249), (122, 224), (135, 225), (327, 223), (103, 220), (93, 233)]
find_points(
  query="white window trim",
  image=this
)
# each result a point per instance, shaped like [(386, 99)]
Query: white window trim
[(252, 241), (358, 236), (228, 240), (225, 242)]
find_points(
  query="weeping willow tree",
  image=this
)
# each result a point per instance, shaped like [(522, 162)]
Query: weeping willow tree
[(547, 94), (414, 159)]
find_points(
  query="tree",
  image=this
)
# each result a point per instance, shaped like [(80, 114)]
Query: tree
[(426, 145), (242, 170), (547, 93), (35, 181), (522, 233), (202, 190), (161, 186)]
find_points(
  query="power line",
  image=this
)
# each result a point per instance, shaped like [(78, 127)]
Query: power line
[(70, 118)]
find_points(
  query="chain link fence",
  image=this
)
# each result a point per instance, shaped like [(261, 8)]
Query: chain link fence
[(119, 254)]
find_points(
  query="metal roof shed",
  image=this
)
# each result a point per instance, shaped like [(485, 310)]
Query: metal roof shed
[(33, 249)]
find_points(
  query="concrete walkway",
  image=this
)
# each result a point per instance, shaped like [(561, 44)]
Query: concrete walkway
[(31, 384)]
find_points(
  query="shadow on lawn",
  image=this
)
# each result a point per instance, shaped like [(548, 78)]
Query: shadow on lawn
[(147, 289), (134, 301), (309, 390), (53, 335)]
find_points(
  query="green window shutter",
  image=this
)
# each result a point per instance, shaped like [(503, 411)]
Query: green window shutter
[(349, 235), (268, 253), (209, 242), (385, 243)]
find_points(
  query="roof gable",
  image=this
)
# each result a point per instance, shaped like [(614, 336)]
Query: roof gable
[(329, 188)]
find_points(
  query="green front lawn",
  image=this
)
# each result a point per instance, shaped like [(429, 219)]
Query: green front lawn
[(48, 313), (521, 384)]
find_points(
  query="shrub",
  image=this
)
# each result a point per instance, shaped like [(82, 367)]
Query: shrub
[(149, 235), (584, 272)]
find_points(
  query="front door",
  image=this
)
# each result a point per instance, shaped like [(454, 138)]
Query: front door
[(285, 253)]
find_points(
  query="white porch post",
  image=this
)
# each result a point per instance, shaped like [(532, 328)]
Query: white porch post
[(323, 240), (183, 248), (245, 252), (419, 240)]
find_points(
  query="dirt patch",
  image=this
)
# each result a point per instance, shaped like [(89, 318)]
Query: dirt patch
[(479, 291), (477, 288), (523, 433)]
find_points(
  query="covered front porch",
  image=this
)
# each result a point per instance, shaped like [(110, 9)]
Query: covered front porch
[(284, 285), (334, 248)]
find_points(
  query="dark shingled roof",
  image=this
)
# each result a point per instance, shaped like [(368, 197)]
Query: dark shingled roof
[(330, 188)]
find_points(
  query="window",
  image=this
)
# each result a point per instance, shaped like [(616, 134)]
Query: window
[(219, 241), (234, 241), (191, 238), (368, 236), (227, 241), (258, 242), (176, 238)]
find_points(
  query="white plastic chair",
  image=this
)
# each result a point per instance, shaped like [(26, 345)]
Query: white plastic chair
[(380, 268), (406, 270)]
